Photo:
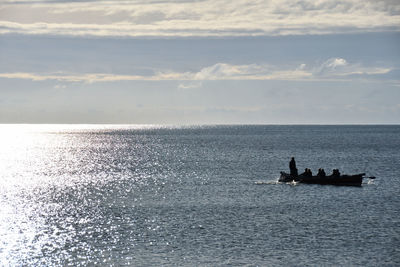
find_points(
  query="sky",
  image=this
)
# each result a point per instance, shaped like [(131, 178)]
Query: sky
[(200, 61)]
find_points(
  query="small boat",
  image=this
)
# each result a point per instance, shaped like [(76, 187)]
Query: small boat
[(352, 180)]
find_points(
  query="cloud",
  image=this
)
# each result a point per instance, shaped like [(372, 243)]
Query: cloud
[(340, 67), (190, 84), (226, 71), (91, 77), (60, 86), (197, 18), (335, 62), (333, 68)]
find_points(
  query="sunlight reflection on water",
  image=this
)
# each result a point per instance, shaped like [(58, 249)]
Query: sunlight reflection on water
[(205, 195), (48, 172)]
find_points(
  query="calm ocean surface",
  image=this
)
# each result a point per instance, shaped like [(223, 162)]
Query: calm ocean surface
[(196, 196)]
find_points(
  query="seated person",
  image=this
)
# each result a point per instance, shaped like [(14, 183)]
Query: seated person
[(321, 173), (307, 172)]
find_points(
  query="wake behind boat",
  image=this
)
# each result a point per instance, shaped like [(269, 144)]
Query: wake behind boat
[(334, 179)]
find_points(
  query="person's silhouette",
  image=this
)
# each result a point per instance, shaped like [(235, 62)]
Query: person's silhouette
[(292, 167)]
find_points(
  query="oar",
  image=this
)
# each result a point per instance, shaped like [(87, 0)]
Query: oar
[(370, 177)]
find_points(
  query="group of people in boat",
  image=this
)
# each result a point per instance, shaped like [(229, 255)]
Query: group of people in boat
[(307, 172)]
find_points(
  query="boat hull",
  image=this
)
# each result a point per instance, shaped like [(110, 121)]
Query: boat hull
[(349, 180)]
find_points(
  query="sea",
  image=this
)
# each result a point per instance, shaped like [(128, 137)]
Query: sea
[(207, 195)]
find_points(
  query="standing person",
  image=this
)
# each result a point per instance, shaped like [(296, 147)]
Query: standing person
[(292, 167)]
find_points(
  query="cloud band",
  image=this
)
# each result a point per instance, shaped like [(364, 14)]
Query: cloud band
[(334, 68), (197, 18)]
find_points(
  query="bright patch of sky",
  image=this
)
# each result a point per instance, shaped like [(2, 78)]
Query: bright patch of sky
[(189, 62)]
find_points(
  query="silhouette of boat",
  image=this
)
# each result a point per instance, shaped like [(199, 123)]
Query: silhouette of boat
[(351, 180)]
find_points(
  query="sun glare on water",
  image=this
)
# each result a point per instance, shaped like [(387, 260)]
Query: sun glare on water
[(35, 164), (46, 173), (26, 155)]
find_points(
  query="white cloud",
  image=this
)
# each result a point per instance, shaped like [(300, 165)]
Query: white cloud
[(198, 18), (334, 68), (66, 77), (340, 67), (190, 84), (335, 62), (222, 71), (60, 86)]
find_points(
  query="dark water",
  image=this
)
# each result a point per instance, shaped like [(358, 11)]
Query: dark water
[(196, 196)]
